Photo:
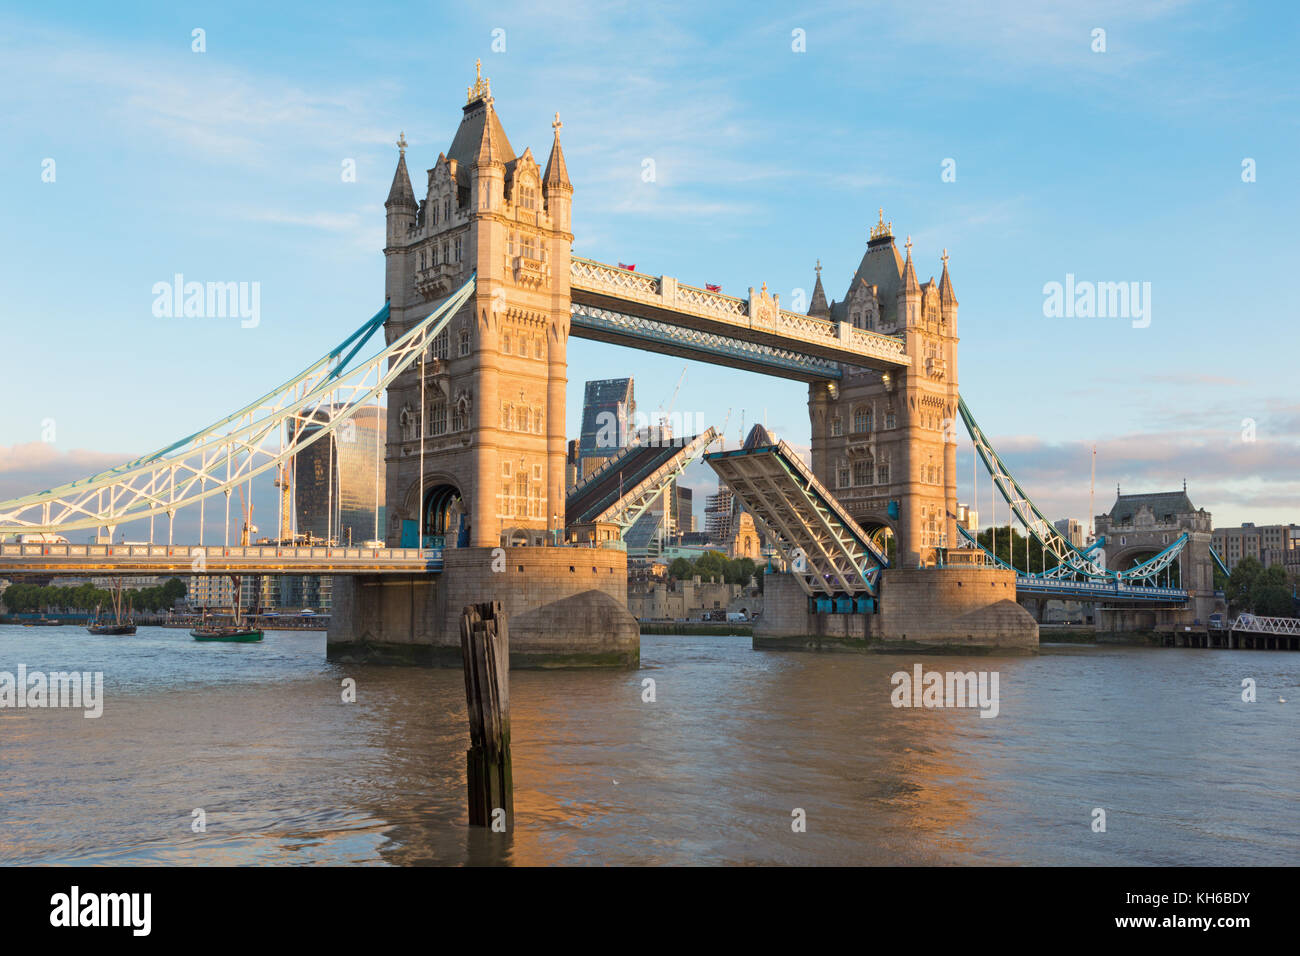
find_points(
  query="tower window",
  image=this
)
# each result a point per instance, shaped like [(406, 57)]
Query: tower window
[(837, 427), (462, 347), (438, 419)]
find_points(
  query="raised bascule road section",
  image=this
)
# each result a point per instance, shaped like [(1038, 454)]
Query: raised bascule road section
[(830, 555)]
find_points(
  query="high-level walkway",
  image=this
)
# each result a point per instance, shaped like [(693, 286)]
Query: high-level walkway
[(659, 314)]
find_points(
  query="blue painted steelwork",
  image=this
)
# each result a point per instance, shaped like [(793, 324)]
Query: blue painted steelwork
[(1118, 580), (1071, 562), (1219, 561), (1116, 590)]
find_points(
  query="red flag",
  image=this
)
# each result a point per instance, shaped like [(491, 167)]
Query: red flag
[(629, 268), (712, 288)]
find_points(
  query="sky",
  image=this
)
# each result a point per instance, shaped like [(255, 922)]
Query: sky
[(998, 131)]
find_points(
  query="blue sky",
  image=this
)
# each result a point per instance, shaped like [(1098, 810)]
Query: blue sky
[(1123, 165)]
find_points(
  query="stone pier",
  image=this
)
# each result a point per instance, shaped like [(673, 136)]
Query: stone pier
[(567, 607), (958, 609)]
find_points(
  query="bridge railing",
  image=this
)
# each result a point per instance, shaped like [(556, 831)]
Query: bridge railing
[(263, 553), (1101, 588)]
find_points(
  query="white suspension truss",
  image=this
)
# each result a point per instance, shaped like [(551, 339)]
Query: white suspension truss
[(225, 455), (1258, 624)]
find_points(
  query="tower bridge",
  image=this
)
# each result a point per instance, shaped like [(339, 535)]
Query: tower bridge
[(482, 295)]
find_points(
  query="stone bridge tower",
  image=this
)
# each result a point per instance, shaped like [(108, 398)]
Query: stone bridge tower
[(493, 405), (1140, 526), (886, 442)]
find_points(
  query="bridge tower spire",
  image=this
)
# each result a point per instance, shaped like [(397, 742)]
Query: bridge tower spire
[(885, 442), (492, 471)]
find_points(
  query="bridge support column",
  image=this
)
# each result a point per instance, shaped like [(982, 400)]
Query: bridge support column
[(567, 608), (953, 608)]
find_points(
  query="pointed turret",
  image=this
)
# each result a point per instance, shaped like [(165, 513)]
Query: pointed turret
[(946, 295), (910, 285), (401, 193), (557, 173), (556, 188), (818, 306)]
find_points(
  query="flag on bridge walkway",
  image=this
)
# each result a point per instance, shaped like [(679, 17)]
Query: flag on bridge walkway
[(712, 288), (629, 268)]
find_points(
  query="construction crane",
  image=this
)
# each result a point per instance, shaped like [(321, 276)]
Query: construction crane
[(247, 509), (284, 482), (664, 416)]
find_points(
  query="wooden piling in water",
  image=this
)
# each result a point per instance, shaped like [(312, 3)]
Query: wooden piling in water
[(485, 651)]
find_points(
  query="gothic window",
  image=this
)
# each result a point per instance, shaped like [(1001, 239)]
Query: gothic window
[(463, 346), (860, 416), (506, 506), (882, 475), (440, 345), (842, 476), (527, 197), (458, 248), (445, 257), (891, 420), (422, 258), (446, 208), (521, 493), (530, 247), (438, 418), (507, 419), (837, 427), (435, 212), (537, 347), (862, 472), (406, 419), (505, 344)]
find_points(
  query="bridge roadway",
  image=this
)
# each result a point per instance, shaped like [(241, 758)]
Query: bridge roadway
[(659, 314), (1108, 591), (151, 559)]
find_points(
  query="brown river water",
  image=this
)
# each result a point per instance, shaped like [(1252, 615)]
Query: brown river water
[(286, 772)]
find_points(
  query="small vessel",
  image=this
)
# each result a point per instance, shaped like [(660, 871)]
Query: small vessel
[(230, 633), (43, 622), (115, 629), (238, 631), (117, 626)]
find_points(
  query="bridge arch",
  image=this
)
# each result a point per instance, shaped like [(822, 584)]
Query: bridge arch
[(881, 529), (442, 511), (1131, 556)]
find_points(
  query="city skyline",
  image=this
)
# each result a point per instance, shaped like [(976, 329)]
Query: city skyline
[(236, 173)]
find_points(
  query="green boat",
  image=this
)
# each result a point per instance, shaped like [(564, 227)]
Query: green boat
[(235, 635)]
